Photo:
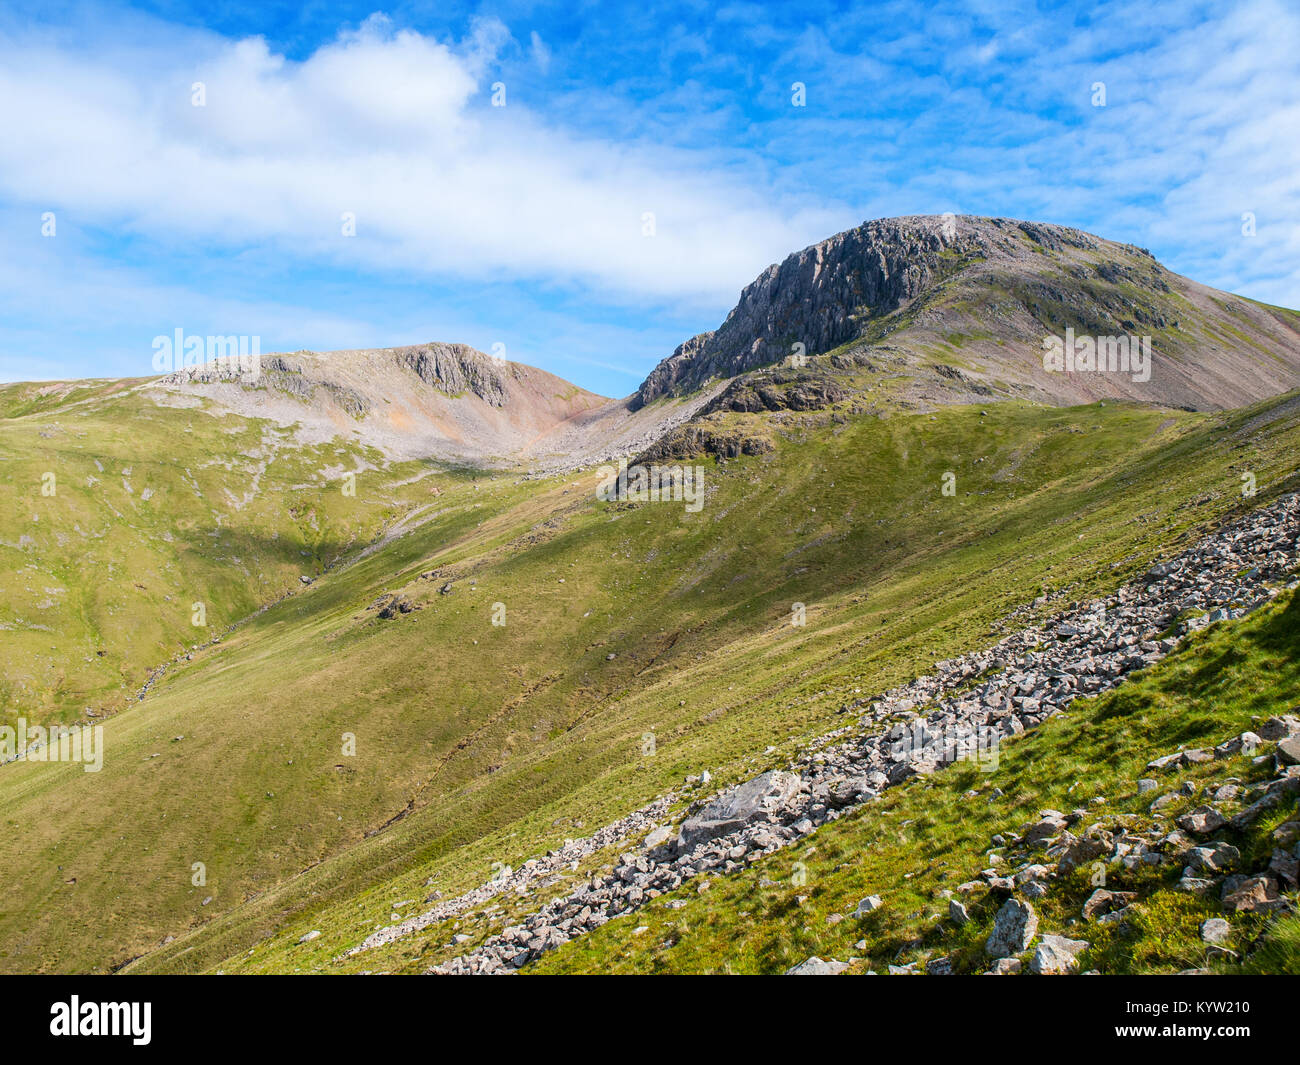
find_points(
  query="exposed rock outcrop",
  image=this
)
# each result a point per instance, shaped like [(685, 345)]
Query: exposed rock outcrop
[(985, 292), (820, 297), (457, 368), (756, 801)]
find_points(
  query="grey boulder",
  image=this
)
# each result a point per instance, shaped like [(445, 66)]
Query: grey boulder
[(1057, 956), (754, 801), (817, 967), (1014, 929)]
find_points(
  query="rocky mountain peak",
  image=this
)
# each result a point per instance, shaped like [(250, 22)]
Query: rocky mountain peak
[(456, 369), (830, 293)]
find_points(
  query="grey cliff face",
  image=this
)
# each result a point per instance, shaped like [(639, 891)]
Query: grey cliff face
[(828, 294), (455, 369), (820, 297)]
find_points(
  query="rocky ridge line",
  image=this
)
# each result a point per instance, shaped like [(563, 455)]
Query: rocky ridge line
[(826, 295)]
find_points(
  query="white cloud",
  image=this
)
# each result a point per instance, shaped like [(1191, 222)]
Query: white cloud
[(395, 127)]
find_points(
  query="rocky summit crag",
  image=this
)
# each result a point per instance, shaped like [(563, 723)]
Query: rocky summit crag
[(958, 307)]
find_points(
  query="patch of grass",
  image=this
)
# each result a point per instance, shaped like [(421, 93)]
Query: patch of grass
[(479, 743), (931, 834)]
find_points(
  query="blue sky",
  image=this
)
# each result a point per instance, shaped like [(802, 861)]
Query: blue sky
[(524, 225)]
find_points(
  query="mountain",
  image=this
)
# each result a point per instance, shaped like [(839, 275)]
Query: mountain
[(447, 400), (944, 309), (899, 314), (366, 643)]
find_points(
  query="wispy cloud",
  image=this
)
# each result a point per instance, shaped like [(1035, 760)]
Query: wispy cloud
[(394, 130)]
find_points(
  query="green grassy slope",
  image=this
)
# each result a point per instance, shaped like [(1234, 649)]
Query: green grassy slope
[(490, 743), (117, 516), (934, 833)]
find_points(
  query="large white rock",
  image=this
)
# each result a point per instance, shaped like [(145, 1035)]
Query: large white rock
[(817, 967), (1057, 956), (753, 801), (1014, 929), (871, 902)]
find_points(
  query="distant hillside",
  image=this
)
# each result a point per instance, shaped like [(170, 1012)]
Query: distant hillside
[(447, 402), (429, 400), (898, 314)]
